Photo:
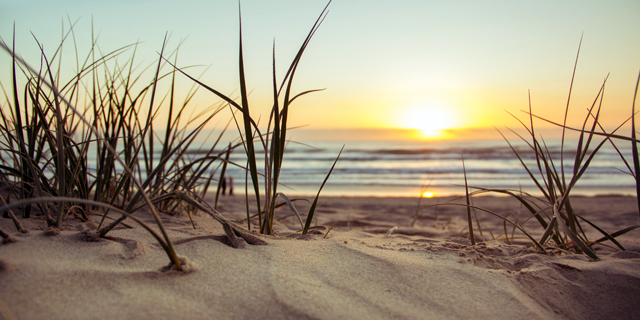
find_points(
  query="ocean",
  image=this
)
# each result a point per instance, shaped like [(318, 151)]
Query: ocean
[(410, 168)]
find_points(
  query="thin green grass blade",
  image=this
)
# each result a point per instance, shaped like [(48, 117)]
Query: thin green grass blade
[(634, 145), (548, 231), (613, 144), (515, 225), (280, 120), (597, 133), (26, 211), (554, 185), (214, 91), (247, 120), (425, 187), (292, 207), (304, 93), (576, 240), (469, 220), (619, 233), (222, 176), (504, 226), (566, 113), (534, 212), (540, 158), (296, 60), (533, 178), (315, 201), (276, 154), (60, 156), (606, 235)]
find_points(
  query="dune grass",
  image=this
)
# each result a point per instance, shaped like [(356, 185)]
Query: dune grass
[(553, 211), (49, 128), (273, 139), (44, 119)]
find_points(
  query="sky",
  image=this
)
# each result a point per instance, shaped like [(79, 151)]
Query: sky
[(458, 66)]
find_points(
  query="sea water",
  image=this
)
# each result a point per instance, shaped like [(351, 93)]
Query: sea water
[(411, 168)]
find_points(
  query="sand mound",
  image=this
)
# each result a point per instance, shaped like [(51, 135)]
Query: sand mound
[(355, 272)]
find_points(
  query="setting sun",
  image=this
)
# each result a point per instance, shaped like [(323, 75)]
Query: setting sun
[(431, 120)]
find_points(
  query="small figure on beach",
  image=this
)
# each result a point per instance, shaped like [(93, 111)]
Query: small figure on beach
[(230, 186), (224, 185)]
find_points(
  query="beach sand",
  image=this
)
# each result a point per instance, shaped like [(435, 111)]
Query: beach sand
[(428, 271)]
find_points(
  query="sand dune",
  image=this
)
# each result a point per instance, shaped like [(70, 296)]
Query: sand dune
[(428, 271)]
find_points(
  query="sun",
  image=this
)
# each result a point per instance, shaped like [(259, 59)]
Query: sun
[(431, 120)]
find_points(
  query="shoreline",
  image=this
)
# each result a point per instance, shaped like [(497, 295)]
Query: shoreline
[(414, 191)]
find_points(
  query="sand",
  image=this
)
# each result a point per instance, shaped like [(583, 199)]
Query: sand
[(428, 271)]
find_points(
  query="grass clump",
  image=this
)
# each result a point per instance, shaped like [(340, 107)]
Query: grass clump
[(553, 211), (49, 128), (47, 139), (272, 140)]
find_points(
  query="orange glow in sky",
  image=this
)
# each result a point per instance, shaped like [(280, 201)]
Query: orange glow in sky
[(433, 66)]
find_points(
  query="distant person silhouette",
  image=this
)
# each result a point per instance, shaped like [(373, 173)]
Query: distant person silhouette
[(224, 185), (230, 186)]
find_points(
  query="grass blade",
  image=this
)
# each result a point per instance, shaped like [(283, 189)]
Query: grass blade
[(222, 177), (576, 240), (548, 231), (292, 207), (619, 233), (634, 144), (315, 201), (606, 235), (247, 120), (469, 220)]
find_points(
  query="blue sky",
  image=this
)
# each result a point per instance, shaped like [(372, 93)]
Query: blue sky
[(377, 59)]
